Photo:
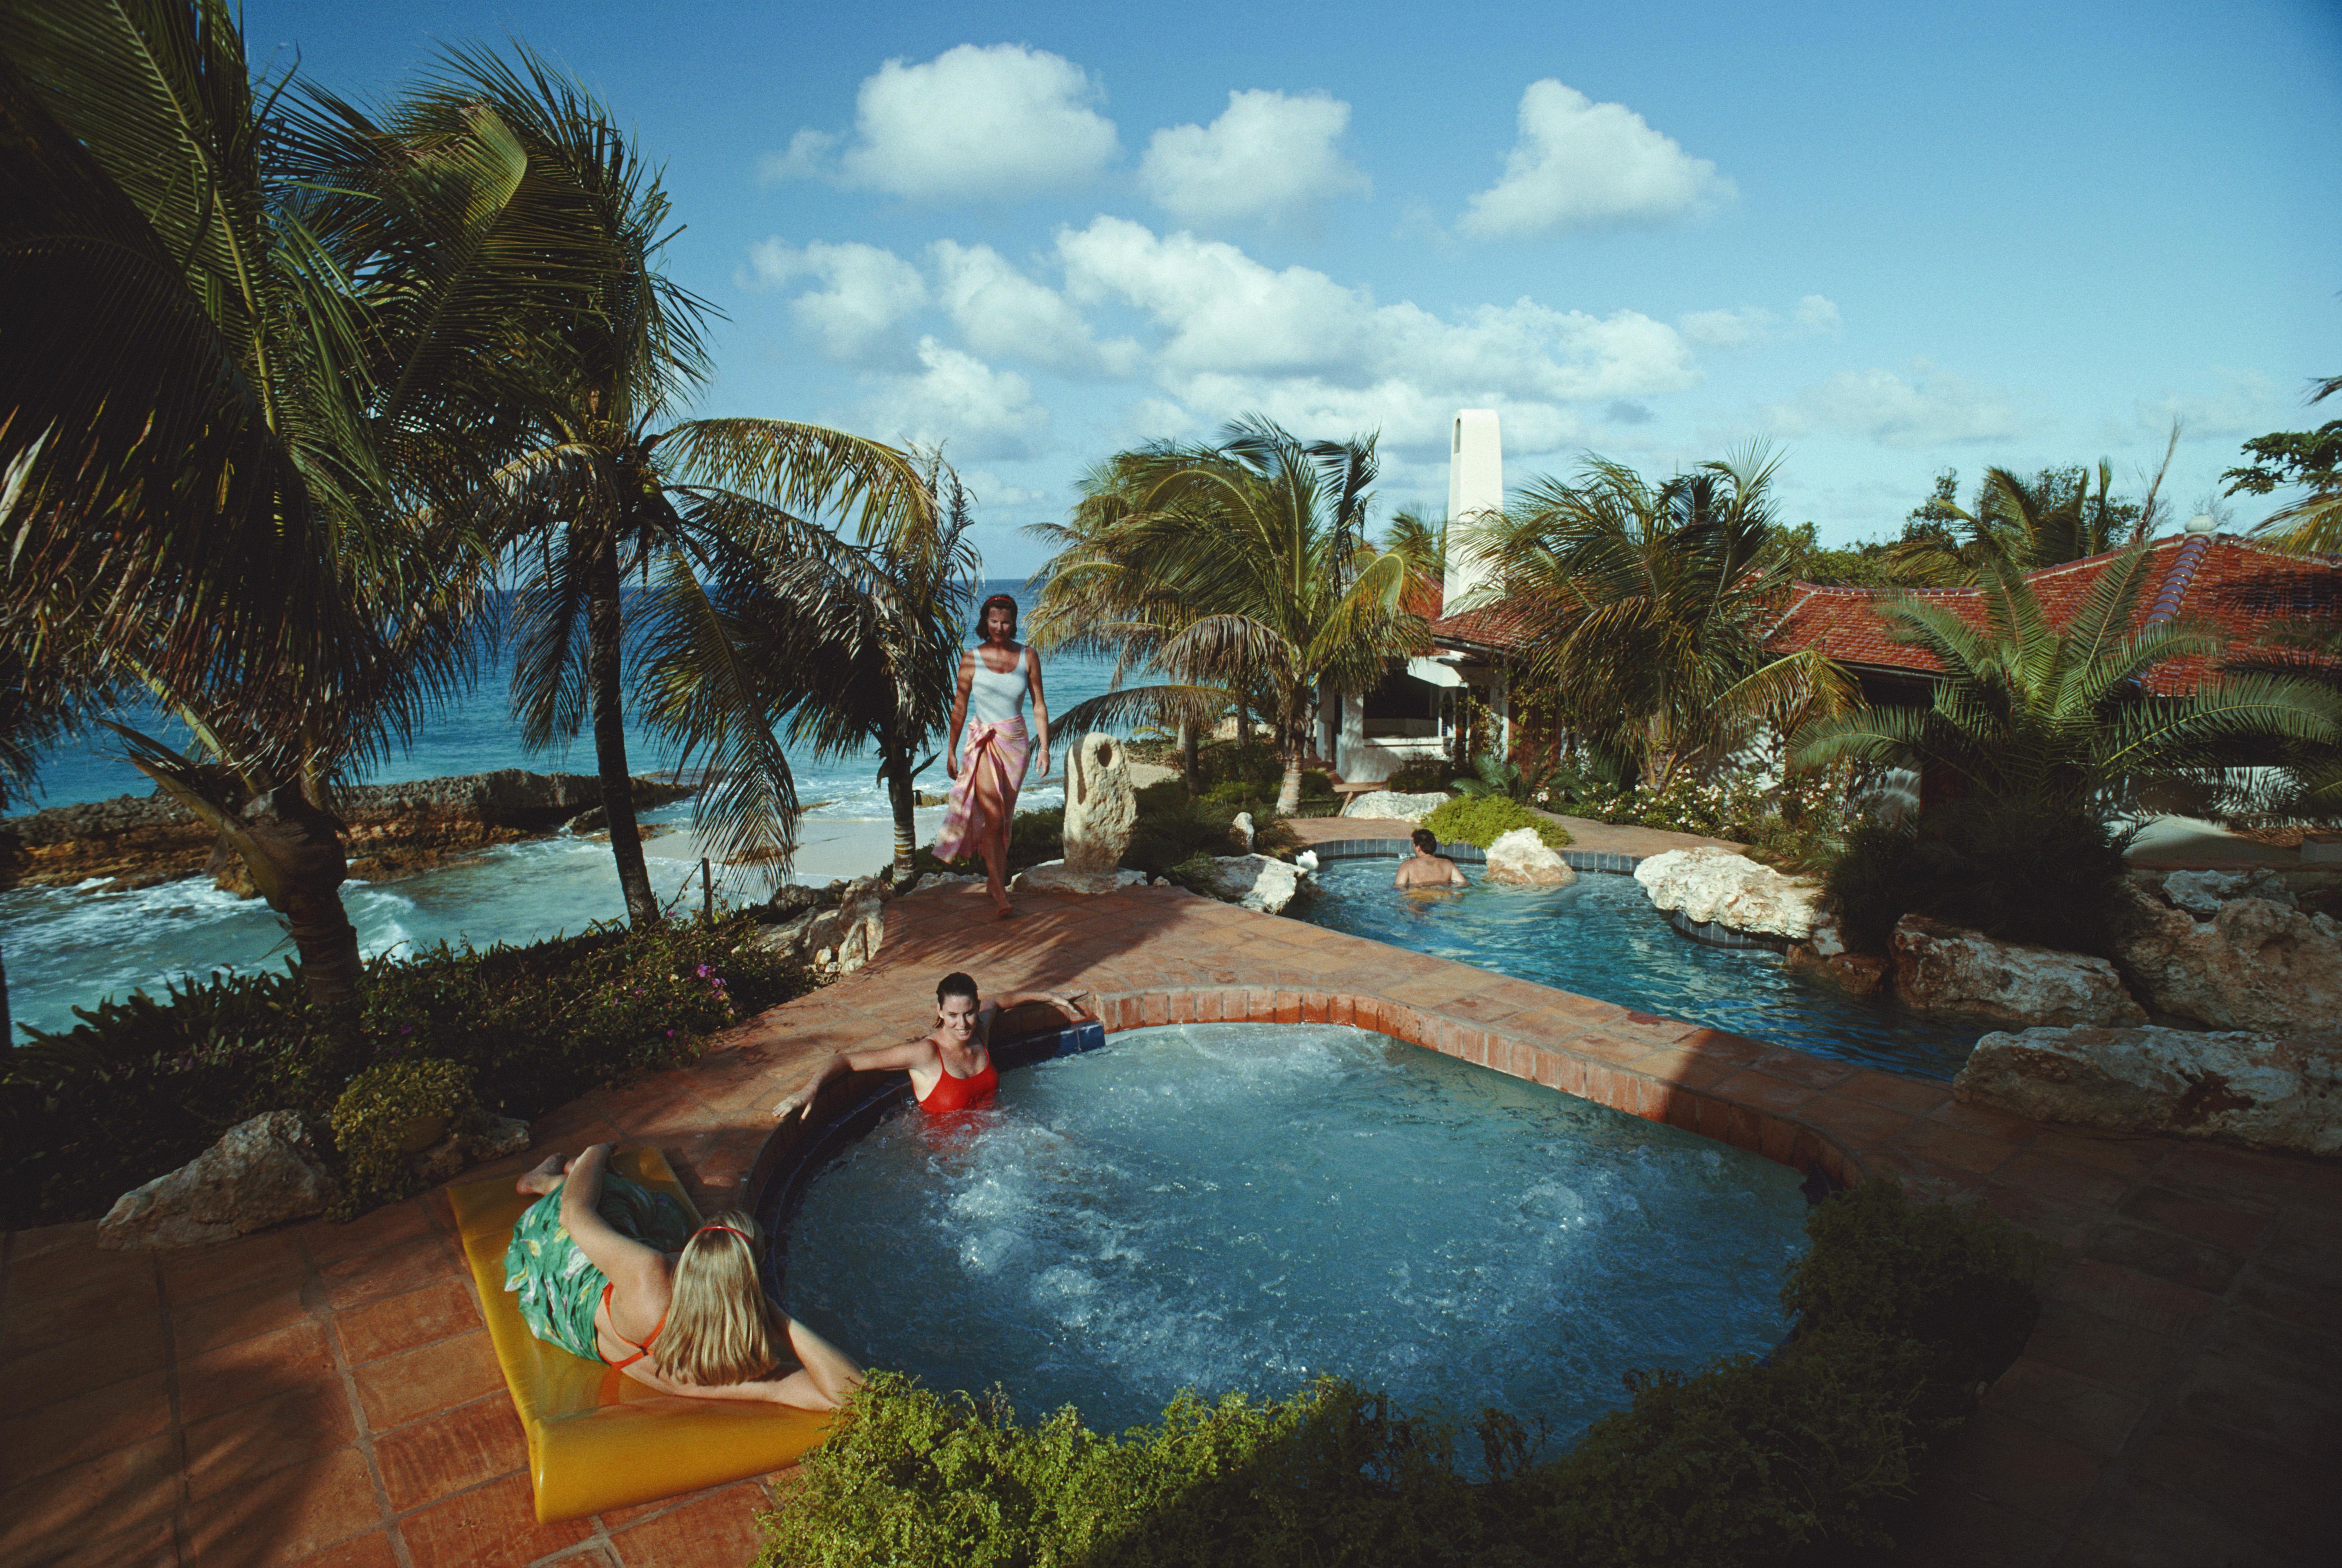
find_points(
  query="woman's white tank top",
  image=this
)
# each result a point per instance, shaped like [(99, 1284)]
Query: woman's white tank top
[(995, 699)]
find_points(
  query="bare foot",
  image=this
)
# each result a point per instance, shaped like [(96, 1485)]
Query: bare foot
[(1008, 910), (546, 1178)]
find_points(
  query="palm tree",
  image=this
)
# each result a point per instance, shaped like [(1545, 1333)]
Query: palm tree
[(1250, 569), (697, 511), (2059, 720), (223, 427), (870, 635), (2311, 459), (2047, 520), (1644, 609)]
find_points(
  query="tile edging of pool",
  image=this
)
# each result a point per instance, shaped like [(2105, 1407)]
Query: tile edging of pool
[(1469, 854), (1783, 1139)]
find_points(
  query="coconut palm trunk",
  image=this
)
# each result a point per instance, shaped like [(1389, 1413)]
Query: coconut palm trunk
[(604, 637), (301, 845), (1190, 761)]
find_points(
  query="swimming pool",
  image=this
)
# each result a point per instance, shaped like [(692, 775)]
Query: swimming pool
[(1248, 1206), (1601, 938)]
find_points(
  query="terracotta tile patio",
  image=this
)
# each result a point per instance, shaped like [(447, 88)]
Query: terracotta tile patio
[(325, 1395)]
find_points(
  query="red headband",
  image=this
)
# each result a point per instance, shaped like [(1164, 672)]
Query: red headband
[(730, 1231)]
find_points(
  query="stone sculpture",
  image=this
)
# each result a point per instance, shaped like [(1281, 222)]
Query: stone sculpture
[(1101, 808)]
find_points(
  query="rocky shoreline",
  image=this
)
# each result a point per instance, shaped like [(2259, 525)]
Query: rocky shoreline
[(389, 831)]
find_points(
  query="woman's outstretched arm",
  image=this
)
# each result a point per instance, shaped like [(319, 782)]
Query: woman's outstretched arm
[(890, 1059)]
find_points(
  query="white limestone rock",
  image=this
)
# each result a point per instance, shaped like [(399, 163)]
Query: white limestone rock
[(2265, 1090), (1941, 968), (934, 881), (261, 1173), (1718, 887), (1241, 824), (1101, 805), (1063, 876), (2202, 892), (1387, 805), (1259, 883), (1522, 858), (2256, 964)]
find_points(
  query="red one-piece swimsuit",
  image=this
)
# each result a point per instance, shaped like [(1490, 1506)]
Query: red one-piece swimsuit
[(966, 1094)]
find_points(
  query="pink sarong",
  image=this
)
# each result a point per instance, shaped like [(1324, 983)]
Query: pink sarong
[(1003, 746)]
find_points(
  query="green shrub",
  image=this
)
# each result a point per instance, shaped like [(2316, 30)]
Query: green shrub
[(1481, 820), (2013, 871), (1900, 1309), (142, 1086), (392, 1113), (1428, 776)]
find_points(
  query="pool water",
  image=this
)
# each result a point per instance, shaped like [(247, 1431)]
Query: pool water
[(1600, 937), (1249, 1206)]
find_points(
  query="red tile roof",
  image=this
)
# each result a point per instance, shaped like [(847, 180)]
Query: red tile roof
[(1492, 628), (2239, 587)]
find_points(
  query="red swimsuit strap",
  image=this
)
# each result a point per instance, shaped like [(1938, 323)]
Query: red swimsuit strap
[(649, 1339)]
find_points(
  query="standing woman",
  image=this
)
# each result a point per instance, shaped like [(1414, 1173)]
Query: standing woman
[(994, 677)]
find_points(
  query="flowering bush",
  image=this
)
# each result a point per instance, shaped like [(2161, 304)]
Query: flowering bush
[(1800, 821)]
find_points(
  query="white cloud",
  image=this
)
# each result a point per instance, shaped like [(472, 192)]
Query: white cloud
[(1817, 312), (991, 490), (2245, 404), (1236, 335), (974, 124), (1739, 328), (1583, 164), (1005, 314), (962, 403), (806, 159), (866, 292), (1933, 407), (1750, 326), (1268, 158)]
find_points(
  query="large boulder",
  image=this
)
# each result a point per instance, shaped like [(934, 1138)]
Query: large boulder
[(261, 1173), (1063, 876), (1523, 858), (1257, 882), (1719, 887), (839, 940), (2256, 963), (1941, 968), (2202, 892), (2266, 1090), (1100, 804), (1823, 956), (1387, 805)]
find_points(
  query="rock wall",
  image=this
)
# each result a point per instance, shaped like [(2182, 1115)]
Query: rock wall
[(2267, 1092), (2257, 964), (389, 830), (1941, 968)]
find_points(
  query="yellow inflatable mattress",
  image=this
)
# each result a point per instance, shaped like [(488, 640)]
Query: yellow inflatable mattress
[(597, 1438)]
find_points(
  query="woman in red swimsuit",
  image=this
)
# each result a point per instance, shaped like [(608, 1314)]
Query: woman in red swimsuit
[(951, 1068)]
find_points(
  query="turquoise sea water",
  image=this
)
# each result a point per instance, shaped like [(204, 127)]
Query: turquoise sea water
[(1249, 1206), (68, 947)]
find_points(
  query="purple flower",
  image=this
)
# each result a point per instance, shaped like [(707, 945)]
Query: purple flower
[(670, 1033), (703, 971), (406, 1029), (717, 983)]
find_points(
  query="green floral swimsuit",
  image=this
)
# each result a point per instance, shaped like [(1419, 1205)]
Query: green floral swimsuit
[(559, 1290)]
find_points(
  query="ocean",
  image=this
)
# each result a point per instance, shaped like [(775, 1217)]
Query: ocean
[(69, 947)]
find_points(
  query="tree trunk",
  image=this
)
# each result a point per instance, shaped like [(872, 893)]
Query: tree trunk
[(302, 844), (900, 794), (1294, 743), (1190, 763), (7, 1018), (603, 632)]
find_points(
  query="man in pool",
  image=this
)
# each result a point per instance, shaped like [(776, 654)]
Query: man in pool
[(1426, 867)]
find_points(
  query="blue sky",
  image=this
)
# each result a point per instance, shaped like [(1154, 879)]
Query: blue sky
[(1888, 240)]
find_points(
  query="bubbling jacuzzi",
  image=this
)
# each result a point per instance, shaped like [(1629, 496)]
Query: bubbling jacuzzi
[(1249, 1206)]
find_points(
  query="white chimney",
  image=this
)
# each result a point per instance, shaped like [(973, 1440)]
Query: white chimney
[(1475, 487)]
